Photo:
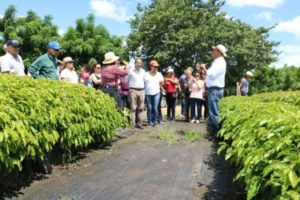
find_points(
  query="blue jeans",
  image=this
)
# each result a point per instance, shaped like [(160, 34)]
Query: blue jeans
[(243, 93), (152, 108), (214, 96), (113, 92), (183, 104), (193, 103)]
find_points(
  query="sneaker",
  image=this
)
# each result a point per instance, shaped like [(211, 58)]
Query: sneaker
[(161, 122), (149, 125), (139, 126), (198, 121), (193, 121), (155, 125)]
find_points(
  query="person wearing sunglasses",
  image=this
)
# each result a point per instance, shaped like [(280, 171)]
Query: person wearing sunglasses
[(96, 76), (69, 74), (46, 65), (197, 89), (12, 62), (153, 81)]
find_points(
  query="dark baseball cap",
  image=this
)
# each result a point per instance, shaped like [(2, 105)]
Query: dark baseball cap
[(13, 43)]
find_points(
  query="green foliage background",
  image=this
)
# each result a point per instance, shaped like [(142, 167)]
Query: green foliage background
[(182, 33), (84, 42)]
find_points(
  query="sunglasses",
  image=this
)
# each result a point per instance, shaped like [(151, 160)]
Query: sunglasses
[(98, 67), (57, 50)]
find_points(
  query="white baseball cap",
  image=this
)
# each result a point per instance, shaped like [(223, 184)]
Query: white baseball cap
[(248, 73)]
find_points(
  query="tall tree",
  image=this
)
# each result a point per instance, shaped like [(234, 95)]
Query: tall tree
[(31, 31), (181, 33), (86, 42)]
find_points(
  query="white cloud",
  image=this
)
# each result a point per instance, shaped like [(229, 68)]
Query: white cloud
[(1, 16), (291, 26), (227, 16), (264, 15), (290, 55), (112, 9), (257, 3), (61, 32)]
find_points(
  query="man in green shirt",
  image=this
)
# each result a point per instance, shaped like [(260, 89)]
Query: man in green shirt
[(46, 65)]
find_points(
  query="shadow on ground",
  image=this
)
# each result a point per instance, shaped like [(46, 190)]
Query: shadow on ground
[(222, 187)]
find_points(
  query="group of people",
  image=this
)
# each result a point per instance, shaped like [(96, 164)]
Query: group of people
[(134, 87)]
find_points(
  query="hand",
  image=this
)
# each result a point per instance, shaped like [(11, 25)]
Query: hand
[(203, 66), (126, 64)]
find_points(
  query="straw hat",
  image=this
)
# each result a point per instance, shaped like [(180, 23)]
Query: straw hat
[(110, 57)]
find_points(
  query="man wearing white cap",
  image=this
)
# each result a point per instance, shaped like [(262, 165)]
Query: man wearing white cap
[(215, 82), (244, 85), (68, 74)]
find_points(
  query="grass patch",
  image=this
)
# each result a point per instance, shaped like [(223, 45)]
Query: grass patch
[(192, 136), (65, 197), (168, 136)]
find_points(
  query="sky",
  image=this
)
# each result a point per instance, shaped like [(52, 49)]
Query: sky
[(114, 15)]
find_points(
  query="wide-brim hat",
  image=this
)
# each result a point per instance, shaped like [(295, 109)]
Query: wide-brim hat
[(110, 57), (67, 60), (221, 49)]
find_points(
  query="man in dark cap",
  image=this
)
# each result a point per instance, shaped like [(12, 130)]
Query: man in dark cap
[(12, 62), (46, 65)]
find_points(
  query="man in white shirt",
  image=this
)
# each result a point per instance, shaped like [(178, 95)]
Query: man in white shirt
[(12, 62), (215, 82), (136, 85), (68, 74)]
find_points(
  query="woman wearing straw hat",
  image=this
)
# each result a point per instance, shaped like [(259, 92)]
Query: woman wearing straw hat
[(111, 73), (244, 85), (68, 74)]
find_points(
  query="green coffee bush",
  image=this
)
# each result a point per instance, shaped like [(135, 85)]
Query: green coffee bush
[(261, 136), (36, 115)]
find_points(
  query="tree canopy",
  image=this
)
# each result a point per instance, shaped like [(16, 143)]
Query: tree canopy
[(85, 42), (181, 33)]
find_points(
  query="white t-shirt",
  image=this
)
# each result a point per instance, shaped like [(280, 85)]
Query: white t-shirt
[(152, 83), (69, 76), (216, 73), (13, 65)]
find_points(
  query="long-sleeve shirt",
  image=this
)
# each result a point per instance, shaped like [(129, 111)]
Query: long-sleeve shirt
[(110, 75), (216, 73), (44, 67), (135, 78), (123, 86)]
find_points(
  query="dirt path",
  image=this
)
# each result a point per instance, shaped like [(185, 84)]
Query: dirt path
[(142, 167)]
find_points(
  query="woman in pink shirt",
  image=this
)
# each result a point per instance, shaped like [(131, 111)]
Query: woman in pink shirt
[(197, 90)]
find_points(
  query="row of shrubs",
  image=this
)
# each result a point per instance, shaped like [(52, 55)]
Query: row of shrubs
[(38, 115), (261, 136)]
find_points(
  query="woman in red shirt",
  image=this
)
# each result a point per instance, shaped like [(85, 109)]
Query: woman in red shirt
[(170, 84)]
